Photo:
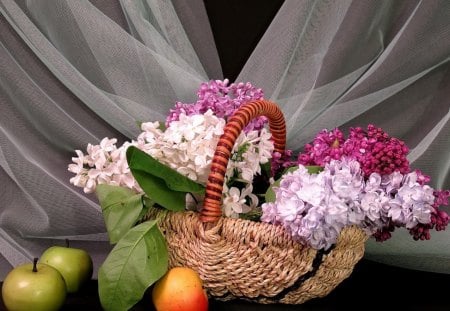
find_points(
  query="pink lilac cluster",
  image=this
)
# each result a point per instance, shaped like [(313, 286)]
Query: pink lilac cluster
[(314, 208), (222, 99)]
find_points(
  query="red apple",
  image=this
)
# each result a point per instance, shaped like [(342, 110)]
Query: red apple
[(33, 286), (180, 289), (75, 265)]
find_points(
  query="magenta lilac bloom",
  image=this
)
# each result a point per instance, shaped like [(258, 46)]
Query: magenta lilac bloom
[(374, 149), (326, 146)]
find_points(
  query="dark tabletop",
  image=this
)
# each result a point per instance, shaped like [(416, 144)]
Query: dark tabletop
[(372, 286)]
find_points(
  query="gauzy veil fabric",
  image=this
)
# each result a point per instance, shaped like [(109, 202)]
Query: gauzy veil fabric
[(350, 63), (73, 72)]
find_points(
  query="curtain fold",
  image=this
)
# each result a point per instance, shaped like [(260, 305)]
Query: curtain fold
[(351, 63), (71, 75), (73, 72)]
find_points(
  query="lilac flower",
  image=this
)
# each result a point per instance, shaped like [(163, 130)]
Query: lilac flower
[(325, 147), (366, 179), (307, 206), (222, 99), (374, 149), (102, 164), (270, 213), (377, 151), (235, 201), (346, 179), (281, 162), (314, 208), (318, 233)]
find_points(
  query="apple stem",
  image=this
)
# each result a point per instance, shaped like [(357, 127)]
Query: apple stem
[(35, 260), (67, 242)]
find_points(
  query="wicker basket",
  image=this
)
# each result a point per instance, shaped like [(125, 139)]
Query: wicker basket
[(251, 260)]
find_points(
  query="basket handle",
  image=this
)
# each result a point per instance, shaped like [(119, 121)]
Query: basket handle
[(211, 211)]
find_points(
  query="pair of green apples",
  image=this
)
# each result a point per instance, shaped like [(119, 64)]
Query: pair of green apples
[(43, 285)]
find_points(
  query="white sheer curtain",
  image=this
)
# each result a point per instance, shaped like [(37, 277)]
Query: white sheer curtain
[(74, 72), (349, 63)]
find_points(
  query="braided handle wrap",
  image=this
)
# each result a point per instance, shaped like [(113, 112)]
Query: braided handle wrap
[(211, 211)]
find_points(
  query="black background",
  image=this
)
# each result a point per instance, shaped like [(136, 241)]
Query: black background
[(237, 27), (372, 286)]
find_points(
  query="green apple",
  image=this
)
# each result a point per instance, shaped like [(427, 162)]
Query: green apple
[(34, 286), (75, 265)]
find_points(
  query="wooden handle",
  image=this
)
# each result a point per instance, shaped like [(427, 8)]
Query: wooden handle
[(212, 211)]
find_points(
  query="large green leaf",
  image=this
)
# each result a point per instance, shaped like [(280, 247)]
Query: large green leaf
[(270, 194), (137, 261), (157, 190), (121, 208), (162, 184), (139, 160)]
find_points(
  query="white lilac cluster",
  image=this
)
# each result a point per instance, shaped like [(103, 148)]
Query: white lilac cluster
[(237, 201), (314, 208), (102, 164), (250, 150), (187, 146)]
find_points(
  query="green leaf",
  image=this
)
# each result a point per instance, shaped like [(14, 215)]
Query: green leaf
[(147, 203), (121, 208), (162, 184), (314, 169), (138, 160), (137, 261), (156, 189), (270, 194), (266, 169)]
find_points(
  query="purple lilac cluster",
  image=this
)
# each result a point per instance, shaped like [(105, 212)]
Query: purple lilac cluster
[(379, 193), (222, 99), (439, 220), (314, 208)]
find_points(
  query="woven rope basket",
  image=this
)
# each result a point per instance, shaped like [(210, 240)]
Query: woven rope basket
[(251, 260)]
